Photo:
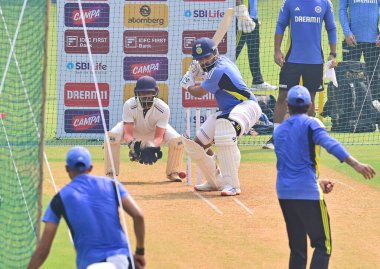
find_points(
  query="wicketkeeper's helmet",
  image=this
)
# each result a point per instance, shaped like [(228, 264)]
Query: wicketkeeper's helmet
[(145, 91)]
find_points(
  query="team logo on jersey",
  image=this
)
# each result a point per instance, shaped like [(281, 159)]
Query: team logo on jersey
[(297, 9), (318, 9)]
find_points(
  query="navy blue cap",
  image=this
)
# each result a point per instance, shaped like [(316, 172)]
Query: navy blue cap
[(202, 47), (78, 159), (146, 83), (299, 96)]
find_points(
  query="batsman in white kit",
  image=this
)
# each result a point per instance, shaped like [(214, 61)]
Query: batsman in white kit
[(238, 111), (144, 128)]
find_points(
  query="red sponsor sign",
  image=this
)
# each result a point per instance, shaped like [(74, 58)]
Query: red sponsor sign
[(207, 100), (75, 41), (2, 115), (145, 42), (188, 38), (84, 94)]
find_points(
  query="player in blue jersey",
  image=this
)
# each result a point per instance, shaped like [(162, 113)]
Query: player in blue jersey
[(299, 192), (89, 205), (248, 27), (304, 59), (238, 111), (359, 20)]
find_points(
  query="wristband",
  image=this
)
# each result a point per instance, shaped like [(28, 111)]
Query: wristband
[(140, 251), (333, 54)]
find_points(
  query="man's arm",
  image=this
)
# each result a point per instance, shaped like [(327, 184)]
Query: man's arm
[(159, 136), (278, 55), (343, 18), (330, 26), (44, 245), (128, 131), (282, 23), (365, 169), (133, 210), (197, 91)]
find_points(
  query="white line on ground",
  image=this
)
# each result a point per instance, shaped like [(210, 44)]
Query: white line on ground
[(243, 205), (344, 184), (209, 203)]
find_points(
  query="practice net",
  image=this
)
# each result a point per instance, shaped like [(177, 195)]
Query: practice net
[(22, 43)]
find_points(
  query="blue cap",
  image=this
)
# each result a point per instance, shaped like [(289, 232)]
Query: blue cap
[(203, 47), (299, 96), (78, 159)]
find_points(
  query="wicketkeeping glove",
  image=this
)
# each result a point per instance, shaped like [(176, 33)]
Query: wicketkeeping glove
[(134, 151), (244, 21), (150, 155), (187, 80)]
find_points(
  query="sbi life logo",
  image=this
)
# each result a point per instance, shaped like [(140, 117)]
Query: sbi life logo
[(204, 13), (86, 66)]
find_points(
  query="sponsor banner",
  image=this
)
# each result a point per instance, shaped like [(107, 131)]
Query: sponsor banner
[(204, 0), (75, 41), (142, 16), (188, 38), (204, 14), (95, 15), (129, 91), (85, 66), (84, 94), (207, 100), (85, 121), (145, 42), (135, 67)]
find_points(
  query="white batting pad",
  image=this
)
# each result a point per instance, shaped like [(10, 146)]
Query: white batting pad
[(205, 162), (114, 139), (175, 154), (228, 152)]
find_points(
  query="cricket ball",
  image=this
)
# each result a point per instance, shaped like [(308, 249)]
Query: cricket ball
[(182, 174)]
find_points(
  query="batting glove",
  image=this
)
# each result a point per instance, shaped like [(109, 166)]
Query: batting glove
[(244, 21), (196, 70), (187, 80)]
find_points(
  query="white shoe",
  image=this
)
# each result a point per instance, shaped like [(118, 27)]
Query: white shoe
[(265, 86), (228, 190), (269, 144), (205, 187), (174, 177)]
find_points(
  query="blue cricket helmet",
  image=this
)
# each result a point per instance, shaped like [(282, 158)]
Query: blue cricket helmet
[(146, 90), (299, 96), (203, 47)]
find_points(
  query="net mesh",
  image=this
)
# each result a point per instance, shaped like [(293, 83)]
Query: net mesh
[(134, 38), (22, 37)]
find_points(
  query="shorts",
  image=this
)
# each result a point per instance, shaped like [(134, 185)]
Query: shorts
[(311, 74)]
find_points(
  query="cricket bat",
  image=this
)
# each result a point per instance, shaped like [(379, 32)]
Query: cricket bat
[(223, 25)]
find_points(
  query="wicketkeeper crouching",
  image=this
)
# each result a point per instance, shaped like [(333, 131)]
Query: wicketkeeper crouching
[(144, 128)]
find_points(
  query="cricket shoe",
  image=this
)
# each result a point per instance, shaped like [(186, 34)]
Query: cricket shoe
[(228, 190), (174, 177), (269, 144), (265, 86), (205, 187)]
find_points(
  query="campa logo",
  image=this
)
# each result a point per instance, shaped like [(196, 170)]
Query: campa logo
[(94, 15), (135, 67), (85, 121)]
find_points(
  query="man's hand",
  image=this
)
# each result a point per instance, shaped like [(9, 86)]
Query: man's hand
[(244, 21), (351, 40), (365, 169), (196, 70), (326, 185), (378, 41), (134, 150), (150, 155), (139, 261), (187, 80), (279, 58)]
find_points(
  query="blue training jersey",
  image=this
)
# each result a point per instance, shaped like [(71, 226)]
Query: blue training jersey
[(360, 18), (226, 83), (295, 143), (305, 18), (90, 207)]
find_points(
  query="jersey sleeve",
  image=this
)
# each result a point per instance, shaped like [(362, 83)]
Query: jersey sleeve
[(54, 211), (123, 191), (343, 18), (330, 24), (211, 84), (164, 119), (322, 138), (127, 113), (283, 18)]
